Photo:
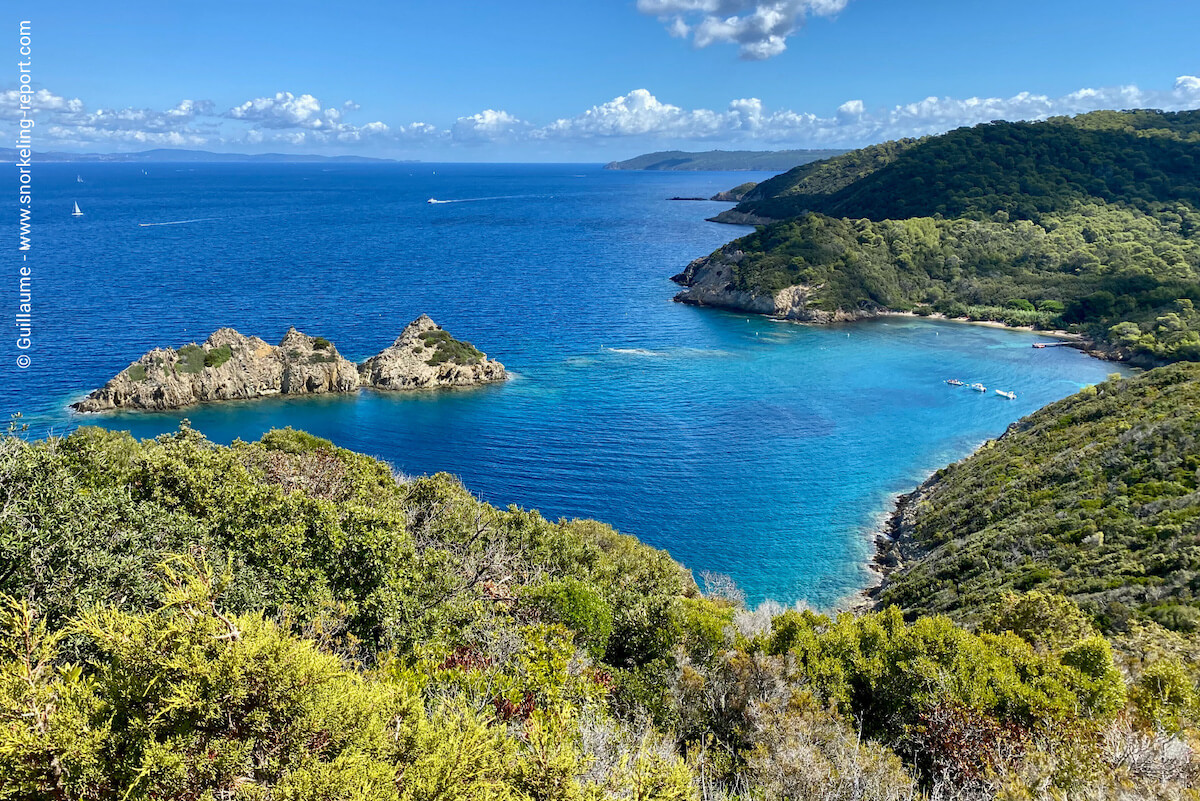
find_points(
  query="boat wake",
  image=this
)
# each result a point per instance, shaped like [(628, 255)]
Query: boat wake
[(685, 353), (480, 199), (175, 222), (635, 351)]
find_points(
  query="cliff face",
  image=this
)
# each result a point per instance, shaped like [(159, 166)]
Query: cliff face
[(425, 356), (231, 366), (709, 281)]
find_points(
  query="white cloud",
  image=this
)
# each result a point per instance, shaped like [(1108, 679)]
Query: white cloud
[(285, 110), (637, 119), (760, 28), (489, 125), (748, 122)]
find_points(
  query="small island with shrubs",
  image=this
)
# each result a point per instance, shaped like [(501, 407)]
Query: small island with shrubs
[(232, 366)]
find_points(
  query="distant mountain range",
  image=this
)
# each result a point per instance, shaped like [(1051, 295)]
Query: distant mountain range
[(166, 155), (731, 160)]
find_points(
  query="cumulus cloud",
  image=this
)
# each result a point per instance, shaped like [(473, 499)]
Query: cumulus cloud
[(760, 28), (638, 113), (747, 121), (489, 125), (285, 110), (638, 119)]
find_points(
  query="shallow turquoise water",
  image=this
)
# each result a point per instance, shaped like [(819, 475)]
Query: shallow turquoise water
[(759, 449)]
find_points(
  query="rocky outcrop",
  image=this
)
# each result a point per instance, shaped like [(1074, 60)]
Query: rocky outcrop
[(709, 281), (737, 194), (735, 217), (231, 366), (425, 356), (228, 366)]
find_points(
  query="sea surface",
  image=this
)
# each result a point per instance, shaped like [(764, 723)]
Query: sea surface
[(763, 450)]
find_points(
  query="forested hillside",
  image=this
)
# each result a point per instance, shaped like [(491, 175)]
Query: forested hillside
[(289, 620), (1088, 223), (1020, 168), (1096, 497)]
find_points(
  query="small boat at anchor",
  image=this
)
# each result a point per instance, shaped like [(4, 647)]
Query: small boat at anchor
[(1009, 395), (954, 382), (77, 212), (979, 387)]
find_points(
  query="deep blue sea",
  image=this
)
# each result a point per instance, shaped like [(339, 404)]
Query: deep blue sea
[(763, 450)]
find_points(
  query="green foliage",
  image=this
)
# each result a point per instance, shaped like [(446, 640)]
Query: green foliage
[(137, 372), (448, 349), (1022, 169), (1046, 621), (320, 343), (312, 532), (218, 356), (190, 359), (287, 619), (576, 605), (1119, 273), (1090, 222), (885, 673), (289, 440), (1093, 497), (1165, 695)]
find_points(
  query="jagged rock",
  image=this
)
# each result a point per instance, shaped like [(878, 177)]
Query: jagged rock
[(709, 281), (228, 366), (425, 356), (231, 366), (735, 217)]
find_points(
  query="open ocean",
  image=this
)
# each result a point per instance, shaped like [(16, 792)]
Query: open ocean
[(763, 450)]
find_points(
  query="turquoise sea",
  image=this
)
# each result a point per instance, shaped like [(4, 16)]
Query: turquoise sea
[(763, 450)]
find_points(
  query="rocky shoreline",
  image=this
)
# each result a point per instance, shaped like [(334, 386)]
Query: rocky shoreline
[(232, 366), (708, 281), (895, 547)]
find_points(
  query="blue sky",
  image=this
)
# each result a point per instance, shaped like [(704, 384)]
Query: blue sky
[(576, 80)]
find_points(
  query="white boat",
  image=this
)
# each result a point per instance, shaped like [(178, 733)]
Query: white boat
[(78, 179), (432, 200), (979, 387), (954, 382), (1009, 395), (77, 212)]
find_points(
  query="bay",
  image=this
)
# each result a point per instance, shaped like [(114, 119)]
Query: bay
[(763, 450)]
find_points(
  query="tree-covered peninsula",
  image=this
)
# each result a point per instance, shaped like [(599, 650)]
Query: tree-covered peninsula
[(285, 619), (1090, 223)]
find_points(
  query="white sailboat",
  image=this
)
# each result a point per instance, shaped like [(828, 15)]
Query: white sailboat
[(78, 179), (77, 212)]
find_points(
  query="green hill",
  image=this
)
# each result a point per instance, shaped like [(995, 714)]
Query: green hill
[(732, 160), (1022, 169), (1096, 497), (1089, 223)]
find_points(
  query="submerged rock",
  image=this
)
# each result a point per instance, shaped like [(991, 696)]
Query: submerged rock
[(232, 366), (426, 356)]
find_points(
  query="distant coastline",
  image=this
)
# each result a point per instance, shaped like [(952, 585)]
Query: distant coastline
[(723, 160)]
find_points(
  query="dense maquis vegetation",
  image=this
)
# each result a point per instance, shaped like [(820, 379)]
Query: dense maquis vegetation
[(1125, 274), (1139, 158), (1087, 222), (1096, 497), (288, 620)]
